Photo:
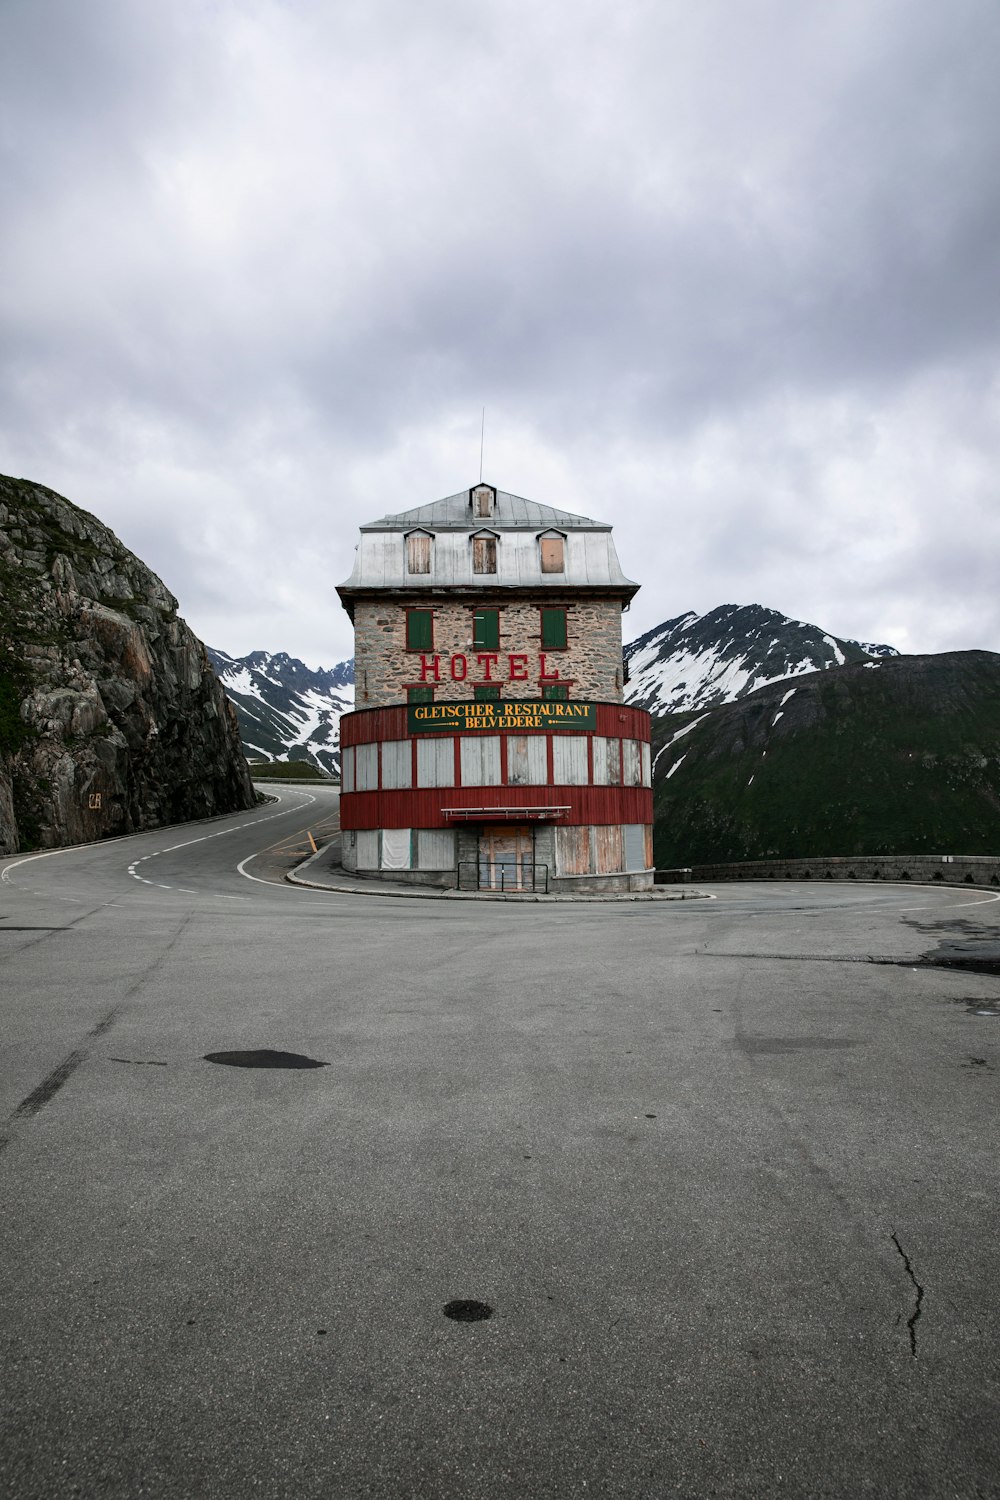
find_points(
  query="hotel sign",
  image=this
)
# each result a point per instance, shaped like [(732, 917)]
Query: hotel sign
[(470, 718)]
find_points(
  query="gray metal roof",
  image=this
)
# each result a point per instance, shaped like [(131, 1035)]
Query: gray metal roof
[(591, 562), (511, 510)]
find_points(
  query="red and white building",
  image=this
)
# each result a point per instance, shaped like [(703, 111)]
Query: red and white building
[(490, 746)]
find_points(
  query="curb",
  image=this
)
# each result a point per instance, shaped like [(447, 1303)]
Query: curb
[(295, 877)]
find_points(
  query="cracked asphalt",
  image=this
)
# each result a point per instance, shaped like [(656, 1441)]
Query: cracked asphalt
[(728, 1185)]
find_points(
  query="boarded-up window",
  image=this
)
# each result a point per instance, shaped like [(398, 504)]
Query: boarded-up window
[(609, 849), (483, 693), (418, 552), (420, 695), (397, 763), (527, 760), (607, 761), (435, 849), (480, 759), (396, 848), (647, 776), (554, 629), (367, 768), (482, 500), (486, 629), (484, 554), (573, 851), (419, 629), (569, 760), (436, 762), (347, 769), (367, 848), (631, 763), (635, 847), (552, 554)]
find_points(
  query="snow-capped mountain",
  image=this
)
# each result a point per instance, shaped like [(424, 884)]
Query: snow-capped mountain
[(697, 661), (287, 711)]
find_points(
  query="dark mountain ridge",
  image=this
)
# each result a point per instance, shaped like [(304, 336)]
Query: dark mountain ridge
[(898, 755)]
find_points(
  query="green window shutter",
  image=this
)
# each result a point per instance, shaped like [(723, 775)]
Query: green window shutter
[(419, 629), (486, 629), (485, 694), (553, 629), (555, 693), (420, 695)]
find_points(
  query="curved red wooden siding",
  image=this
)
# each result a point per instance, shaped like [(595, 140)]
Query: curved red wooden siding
[(426, 807), (367, 724)]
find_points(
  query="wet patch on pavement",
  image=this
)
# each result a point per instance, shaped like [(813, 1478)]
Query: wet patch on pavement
[(263, 1057), (466, 1310)]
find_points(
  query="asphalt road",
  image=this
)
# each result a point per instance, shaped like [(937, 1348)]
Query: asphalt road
[(730, 1188)]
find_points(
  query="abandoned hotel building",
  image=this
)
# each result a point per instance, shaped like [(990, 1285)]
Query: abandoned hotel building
[(491, 746)]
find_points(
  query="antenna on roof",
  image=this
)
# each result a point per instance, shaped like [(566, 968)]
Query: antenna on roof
[(482, 439)]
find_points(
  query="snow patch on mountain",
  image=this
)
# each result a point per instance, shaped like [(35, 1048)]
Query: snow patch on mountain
[(699, 661), (286, 710)]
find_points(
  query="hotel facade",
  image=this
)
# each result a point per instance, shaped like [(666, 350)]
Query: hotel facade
[(491, 747)]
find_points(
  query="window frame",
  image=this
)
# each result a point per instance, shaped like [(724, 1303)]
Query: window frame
[(482, 612), (412, 610), (485, 539), (411, 536), (552, 537), (551, 610), (414, 688)]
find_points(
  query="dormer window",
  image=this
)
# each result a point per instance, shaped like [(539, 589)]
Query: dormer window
[(483, 500), (418, 552), (551, 546), (484, 552)]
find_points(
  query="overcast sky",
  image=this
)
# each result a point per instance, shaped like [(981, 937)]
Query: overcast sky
[(724, 273)]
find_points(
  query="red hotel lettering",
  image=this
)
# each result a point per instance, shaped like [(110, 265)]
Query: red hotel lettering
[(544, 674), (487, 657), (459, 668), (435, 667), (518, 667)]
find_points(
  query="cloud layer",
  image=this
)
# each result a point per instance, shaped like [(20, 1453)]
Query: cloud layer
[(725, 275)]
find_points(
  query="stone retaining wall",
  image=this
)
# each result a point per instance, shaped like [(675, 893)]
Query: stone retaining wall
[(957, 869)]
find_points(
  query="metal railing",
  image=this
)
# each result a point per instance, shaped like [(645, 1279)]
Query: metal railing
[(509, 876)]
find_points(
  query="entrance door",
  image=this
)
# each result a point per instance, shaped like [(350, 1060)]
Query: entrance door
[(506, 859)]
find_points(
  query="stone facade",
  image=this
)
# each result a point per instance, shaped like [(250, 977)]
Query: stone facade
[(590, 665)]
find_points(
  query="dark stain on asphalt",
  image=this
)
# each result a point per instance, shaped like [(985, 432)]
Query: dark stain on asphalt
[(977, 1007), (978, 1062), (466, 1310), (263, 1057), (53, 1082), (138, 1062), (769, 1046)]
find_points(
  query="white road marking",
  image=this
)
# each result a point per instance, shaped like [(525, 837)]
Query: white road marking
[(304, 799)]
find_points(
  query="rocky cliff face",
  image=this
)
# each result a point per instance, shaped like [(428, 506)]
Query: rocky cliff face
[(111, 718)]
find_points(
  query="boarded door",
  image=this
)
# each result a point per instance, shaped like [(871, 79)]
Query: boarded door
[(506, 861)]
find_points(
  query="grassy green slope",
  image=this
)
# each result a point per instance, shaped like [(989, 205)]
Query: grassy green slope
[(903, 758)]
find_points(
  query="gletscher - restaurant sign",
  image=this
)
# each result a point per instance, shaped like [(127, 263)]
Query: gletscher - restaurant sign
[(470, 718)]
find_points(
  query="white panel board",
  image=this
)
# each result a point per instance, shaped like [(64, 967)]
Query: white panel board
[(347, 769), (631, 763), (635, 846), (480, 759), (436, 762), (435, 849), (527, 760), (569, 760), (397, 764), (367, 848), (396, 848), (366, 762)]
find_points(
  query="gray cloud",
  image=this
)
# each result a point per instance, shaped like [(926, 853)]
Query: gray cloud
[(725, 275)]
